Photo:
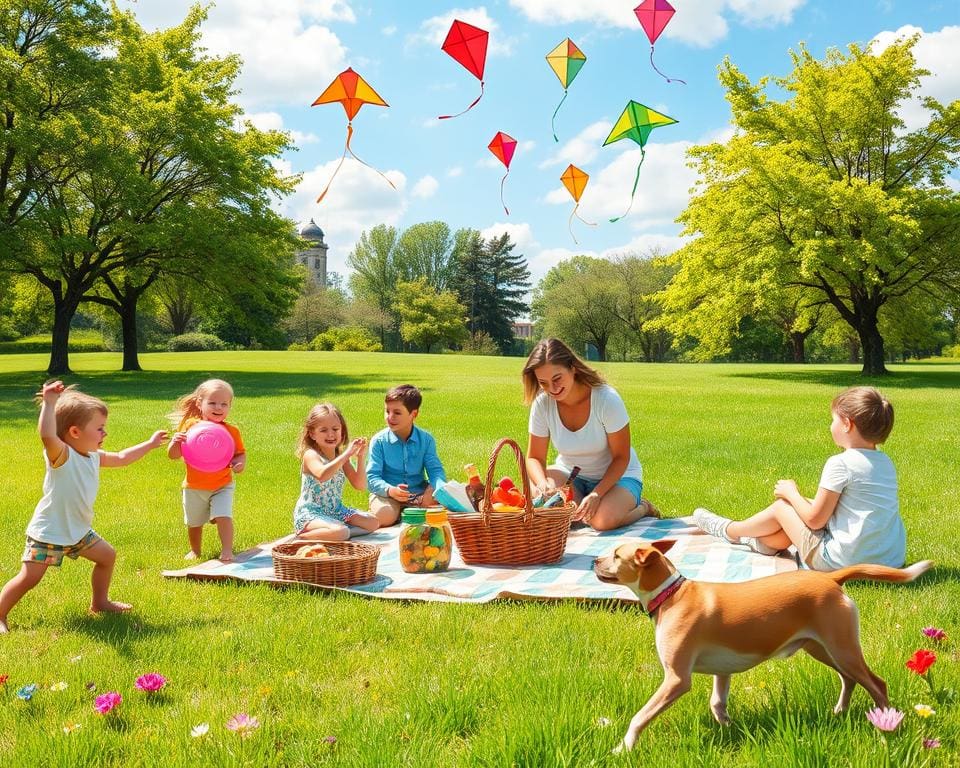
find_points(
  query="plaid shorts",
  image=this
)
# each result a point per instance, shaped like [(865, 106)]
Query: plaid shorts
[(53, 554)]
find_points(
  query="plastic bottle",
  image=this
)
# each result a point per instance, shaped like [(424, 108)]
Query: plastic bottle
[(475, 487)]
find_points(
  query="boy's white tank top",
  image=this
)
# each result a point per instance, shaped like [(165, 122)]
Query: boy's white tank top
[(65, 513)]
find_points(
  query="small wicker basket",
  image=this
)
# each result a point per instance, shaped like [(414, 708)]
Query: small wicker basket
[(349, 563), (531, 537)]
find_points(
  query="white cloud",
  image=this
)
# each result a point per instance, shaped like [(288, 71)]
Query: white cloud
[(434, 30), (520, 234), (425, 187), (582, 148), (935, 52), (288, 53), (457, 170), (273, 121), (358, 199), (700, 23), (389, 31)]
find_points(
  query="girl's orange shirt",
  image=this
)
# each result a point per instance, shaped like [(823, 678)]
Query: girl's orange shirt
[(211, 481)]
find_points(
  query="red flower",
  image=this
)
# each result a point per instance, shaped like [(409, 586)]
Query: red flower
[(3, 679), (921, 661)]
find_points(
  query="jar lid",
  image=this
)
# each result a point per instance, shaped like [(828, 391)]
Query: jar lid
[(413, 516), (436, 516)]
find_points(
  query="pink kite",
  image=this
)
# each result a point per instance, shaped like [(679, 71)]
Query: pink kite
[(503, 146), (653, 16)]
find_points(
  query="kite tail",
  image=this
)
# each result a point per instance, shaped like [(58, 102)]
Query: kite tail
[(570, 223), (501, 191), (447, 117), (337, 169), (668, 79), (636, 181), (553, 119), (588, 223), (349, 136)]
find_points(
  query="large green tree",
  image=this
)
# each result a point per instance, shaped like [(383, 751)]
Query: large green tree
[(826, 192), (429, 317), (375, 274), (426, 250)]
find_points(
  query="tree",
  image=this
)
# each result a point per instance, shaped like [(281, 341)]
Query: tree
[(426, 250), (826, 192), (428, 316), (639, 281), (577, 301), (315, 311), (375, 273)]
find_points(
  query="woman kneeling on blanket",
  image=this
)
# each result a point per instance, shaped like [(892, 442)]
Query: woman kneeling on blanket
[(588, 423)]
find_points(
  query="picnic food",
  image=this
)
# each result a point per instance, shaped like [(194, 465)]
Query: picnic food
[(312, 550), (426, 540)]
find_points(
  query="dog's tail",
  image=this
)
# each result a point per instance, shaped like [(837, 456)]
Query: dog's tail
[(880, 572)]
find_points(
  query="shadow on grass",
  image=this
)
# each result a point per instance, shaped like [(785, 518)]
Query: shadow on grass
[(17, 389), (905, 379), (119, 629)]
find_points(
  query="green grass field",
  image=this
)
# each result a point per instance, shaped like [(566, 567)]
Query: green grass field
[(426, 684)]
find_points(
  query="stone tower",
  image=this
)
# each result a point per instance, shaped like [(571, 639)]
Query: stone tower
[(314, 258)]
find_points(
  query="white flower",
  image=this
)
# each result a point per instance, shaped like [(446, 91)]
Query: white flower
[(200, 730), (61, 686), (71, 727), (603, 722)]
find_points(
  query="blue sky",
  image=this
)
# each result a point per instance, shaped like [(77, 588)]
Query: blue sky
[(443, 170)]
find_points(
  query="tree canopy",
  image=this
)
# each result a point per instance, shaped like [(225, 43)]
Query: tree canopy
[(826, 196)]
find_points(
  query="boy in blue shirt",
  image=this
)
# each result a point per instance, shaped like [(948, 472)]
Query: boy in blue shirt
[(403, 467)]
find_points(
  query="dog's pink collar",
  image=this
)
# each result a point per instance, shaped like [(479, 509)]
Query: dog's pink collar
[(660, 597)]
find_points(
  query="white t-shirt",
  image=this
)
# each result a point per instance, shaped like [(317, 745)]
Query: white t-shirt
[(587, 447), (866, 526), (65, 513)]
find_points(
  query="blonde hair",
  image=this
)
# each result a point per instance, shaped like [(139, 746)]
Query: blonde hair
[(555, 352), (75, 409), (870, 411), (188, 406), (319, 411)]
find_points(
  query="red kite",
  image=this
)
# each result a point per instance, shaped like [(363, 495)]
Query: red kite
[(467, 45), (653, 16), (352, 92), (503, 146)]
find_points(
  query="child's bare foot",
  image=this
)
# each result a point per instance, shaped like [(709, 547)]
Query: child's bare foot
[(3, 627), (111, 606), (226, 557), (191, 555)]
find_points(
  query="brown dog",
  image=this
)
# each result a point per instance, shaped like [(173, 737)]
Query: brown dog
[(719, 629)]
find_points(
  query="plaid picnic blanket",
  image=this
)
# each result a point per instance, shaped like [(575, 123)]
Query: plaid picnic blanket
[(696, 556)]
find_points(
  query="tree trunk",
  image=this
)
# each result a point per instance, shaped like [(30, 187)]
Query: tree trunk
[(128, 326), (798, 341), (872, 344), (601, 345), (63, 312)]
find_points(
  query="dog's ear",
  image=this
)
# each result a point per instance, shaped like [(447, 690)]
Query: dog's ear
[(663, 546), (642, 554)]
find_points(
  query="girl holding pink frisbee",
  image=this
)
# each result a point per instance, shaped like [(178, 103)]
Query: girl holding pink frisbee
[(213, 451)]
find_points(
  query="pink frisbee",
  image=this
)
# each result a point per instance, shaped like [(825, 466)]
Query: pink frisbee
[(208, 447)]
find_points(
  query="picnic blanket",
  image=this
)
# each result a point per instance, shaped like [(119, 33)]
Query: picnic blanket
[(696, 556)]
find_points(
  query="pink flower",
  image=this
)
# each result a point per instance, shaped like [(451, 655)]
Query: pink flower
[(886, 719), (243, 724), (107, 701), (330, 739), (150, 682), (934, 633), (931, 743)]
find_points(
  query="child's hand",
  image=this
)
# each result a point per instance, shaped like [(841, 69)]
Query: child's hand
[(159, 438), (399, 492), (786, 489), (238, 463), (51, 391), (177, 438), (357, 446)]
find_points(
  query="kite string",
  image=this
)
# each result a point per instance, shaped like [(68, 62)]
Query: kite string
[(337, 169), (553, 119), (570, 223), (501, 191), (636, 180), (447, 117), (669, 80), (349, 136)]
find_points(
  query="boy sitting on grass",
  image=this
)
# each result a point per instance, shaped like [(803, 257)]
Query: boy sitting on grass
[(72, 428)]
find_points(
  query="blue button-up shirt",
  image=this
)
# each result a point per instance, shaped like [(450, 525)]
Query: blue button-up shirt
[(394, 461)]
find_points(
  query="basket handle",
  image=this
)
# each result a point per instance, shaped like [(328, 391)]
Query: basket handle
[(485, 508)]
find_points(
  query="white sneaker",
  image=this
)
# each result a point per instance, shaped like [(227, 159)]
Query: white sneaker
[(710, 523), (757, 546)]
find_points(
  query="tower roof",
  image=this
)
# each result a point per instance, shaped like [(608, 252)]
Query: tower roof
[(310, 231)]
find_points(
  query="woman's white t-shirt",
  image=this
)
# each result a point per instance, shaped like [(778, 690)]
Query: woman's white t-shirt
[(586, 447), (866, 526), (65, 513)]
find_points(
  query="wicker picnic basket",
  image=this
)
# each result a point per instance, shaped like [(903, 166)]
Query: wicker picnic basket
[(530, 537), (349, 563)]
